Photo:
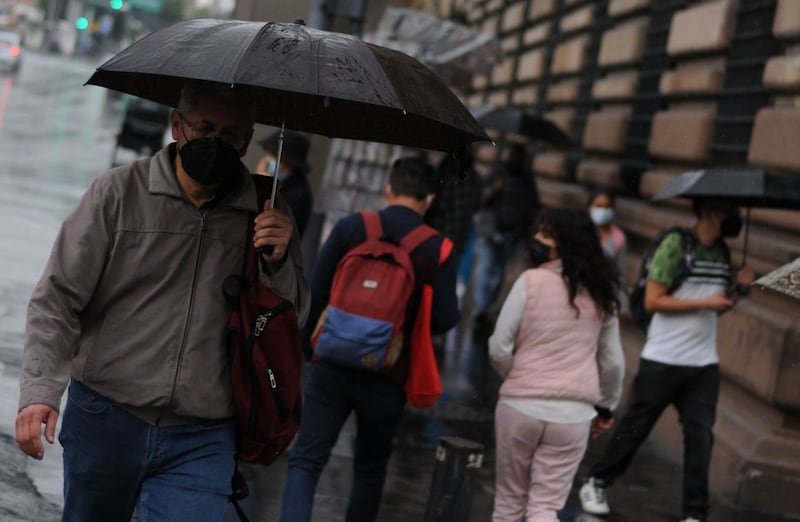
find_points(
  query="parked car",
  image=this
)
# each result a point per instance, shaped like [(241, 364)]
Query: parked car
[(10, 50), (143, 127)]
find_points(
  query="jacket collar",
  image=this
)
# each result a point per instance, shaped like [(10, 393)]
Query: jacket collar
[(163, 180)]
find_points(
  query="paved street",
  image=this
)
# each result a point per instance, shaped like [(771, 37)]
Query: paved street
[(55, 137)]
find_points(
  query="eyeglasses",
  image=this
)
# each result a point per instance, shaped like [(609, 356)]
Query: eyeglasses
[(209, 130)]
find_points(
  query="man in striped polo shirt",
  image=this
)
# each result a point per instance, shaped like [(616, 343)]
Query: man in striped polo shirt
[(679, 363)]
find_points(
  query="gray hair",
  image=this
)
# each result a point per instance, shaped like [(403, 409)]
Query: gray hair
[(232, 94)]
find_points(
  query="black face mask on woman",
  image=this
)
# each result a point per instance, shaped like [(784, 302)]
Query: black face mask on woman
[(538, 252), (209, 161), (731, 226)]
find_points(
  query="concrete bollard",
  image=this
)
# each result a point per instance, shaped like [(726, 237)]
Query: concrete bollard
[(457, 461)]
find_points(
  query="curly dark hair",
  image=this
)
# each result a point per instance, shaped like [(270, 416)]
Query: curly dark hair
[(585, 265)]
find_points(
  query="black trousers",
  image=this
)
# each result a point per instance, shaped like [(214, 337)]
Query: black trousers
[(694, 392)]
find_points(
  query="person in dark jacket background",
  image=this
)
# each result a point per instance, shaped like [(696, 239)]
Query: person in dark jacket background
[(292, 172)]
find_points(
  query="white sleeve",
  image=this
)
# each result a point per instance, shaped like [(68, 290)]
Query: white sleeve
[(501, 343), (610, 364)]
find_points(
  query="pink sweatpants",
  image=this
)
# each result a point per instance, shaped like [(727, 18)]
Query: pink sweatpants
[(536, 462)]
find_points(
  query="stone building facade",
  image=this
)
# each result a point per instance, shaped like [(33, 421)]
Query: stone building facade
[(649, 89)]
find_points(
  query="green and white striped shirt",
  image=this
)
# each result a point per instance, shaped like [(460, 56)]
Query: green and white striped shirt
[(690, 338)]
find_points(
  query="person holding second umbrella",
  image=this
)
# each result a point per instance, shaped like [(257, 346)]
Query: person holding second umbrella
[(679, 363)]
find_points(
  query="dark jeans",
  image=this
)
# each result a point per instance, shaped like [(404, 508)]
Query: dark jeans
[(493, 256), (114, 461), (330, 394), (694, 392)]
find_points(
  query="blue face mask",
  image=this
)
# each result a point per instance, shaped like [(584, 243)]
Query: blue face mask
[(601, 215), (270, 167)]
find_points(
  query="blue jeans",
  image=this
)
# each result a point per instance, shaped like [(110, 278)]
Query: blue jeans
[(493, 255), (115, 462), (330, 394)]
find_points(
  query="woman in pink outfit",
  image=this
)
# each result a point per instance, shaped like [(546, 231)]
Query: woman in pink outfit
[(556, 343)]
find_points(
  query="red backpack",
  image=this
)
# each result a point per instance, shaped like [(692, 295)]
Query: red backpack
[(363, 325), (265, 358)]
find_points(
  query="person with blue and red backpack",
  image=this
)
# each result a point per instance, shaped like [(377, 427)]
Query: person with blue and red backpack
[(366, 290)]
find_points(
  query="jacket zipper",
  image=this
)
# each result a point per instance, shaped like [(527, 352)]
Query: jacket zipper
[(203, 223), (258, 327)]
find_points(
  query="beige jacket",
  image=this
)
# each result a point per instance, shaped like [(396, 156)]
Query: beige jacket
[(131, 302)]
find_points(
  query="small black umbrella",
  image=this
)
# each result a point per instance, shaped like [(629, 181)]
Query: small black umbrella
[(315, 81), (746, 186), (518, 121)]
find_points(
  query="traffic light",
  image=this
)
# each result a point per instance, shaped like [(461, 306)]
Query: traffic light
[(116, 5), (81, 23)]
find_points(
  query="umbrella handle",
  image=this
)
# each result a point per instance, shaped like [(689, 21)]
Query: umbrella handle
[(746, 236), (268, 249), (744, 291)]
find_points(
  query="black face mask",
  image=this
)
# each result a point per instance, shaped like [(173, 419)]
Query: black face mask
[(731, 226), (538, 252), (210, 161)]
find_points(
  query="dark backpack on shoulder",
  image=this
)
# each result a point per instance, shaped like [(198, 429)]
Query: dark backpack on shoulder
[(688, 244), (265, 358)]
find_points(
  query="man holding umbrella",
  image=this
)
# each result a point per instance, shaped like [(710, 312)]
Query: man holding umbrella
[(130, 311), (679, 363)]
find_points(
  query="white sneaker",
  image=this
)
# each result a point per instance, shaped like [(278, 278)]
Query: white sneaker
[(593, 498)]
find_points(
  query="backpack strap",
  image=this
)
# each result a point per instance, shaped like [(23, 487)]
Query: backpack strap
[(416, 237), (619, 239), (688, 245), (372, 224), (444, 251)]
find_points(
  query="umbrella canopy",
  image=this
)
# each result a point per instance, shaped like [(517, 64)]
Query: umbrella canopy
[(746, 186), (314, 81), (517, 121), (785, 279)]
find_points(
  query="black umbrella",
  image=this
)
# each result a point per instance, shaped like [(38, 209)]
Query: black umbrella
[(518, 121), (315, 81), (745, 186)]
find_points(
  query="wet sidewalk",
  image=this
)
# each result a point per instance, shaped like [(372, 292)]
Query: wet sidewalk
[(649, 492)]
